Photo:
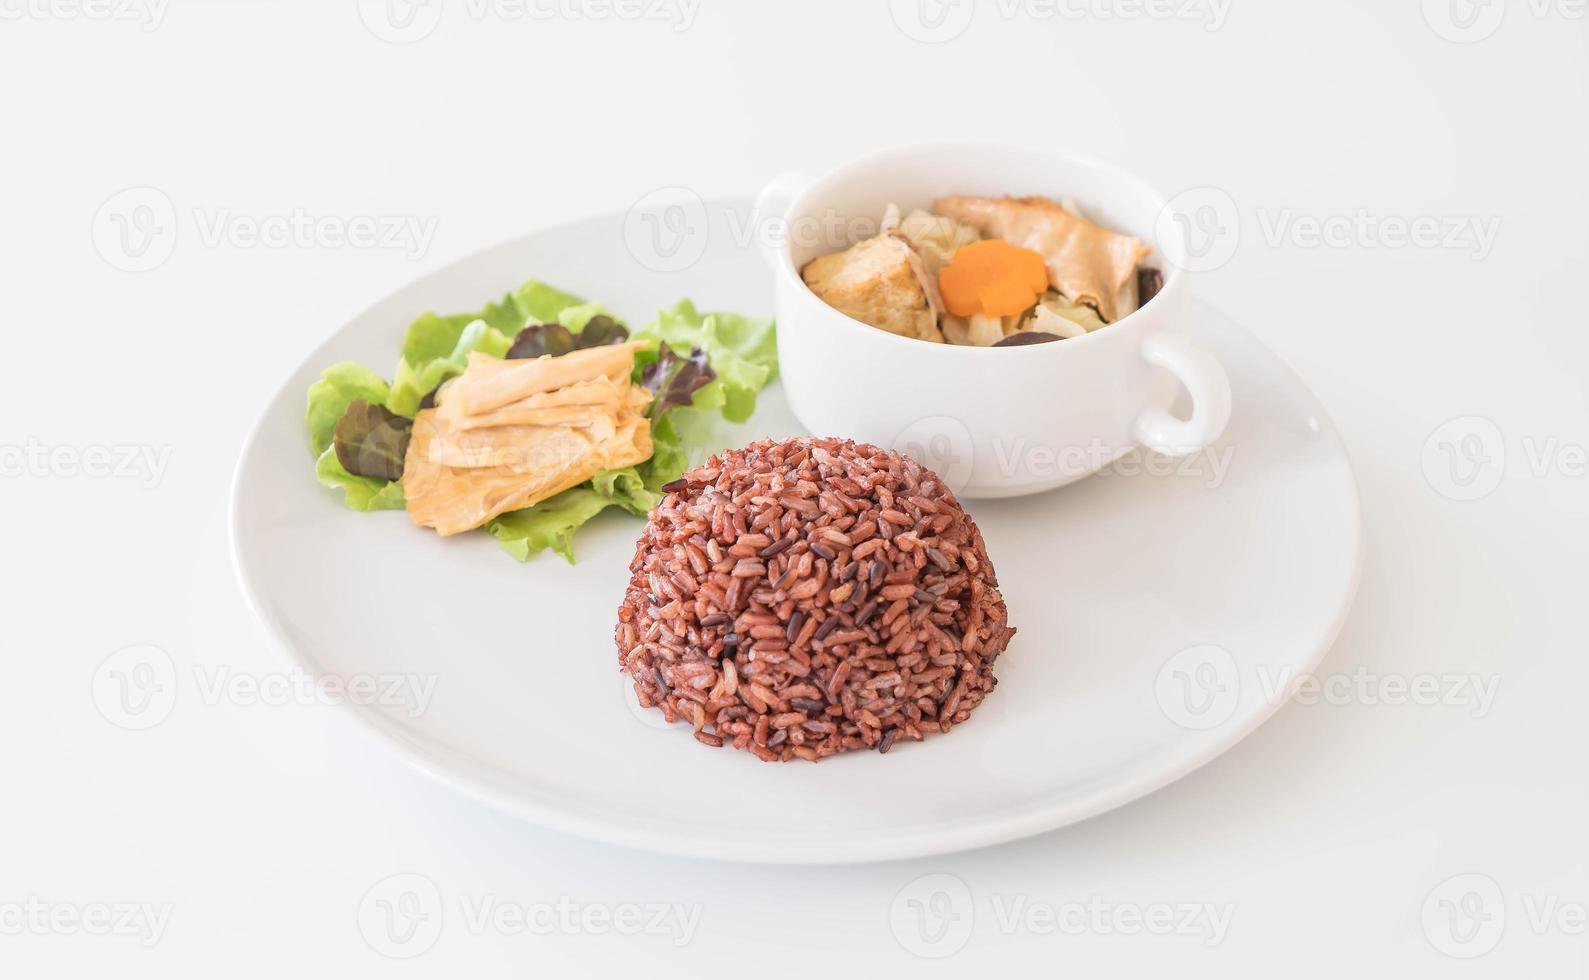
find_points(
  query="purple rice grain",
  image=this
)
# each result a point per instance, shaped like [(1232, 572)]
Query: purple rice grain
[(776, 547), (828, 625)]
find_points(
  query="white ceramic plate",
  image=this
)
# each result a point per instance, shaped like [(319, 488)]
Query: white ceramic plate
[(1157, 611)]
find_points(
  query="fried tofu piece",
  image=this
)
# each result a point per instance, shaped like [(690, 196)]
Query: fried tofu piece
[(881, 282), (1086, 264)]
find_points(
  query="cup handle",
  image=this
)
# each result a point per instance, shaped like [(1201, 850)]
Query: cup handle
[(776, 197), (1204, 378)]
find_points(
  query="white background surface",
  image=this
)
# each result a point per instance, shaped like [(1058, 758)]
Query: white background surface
[(261, 828)]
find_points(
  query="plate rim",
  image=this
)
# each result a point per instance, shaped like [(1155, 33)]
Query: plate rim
[(834, 849)]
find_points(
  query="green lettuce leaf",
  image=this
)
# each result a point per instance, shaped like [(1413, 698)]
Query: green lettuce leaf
[(543, 303), (669, 459), (549, 524), (416, 379), (340, 385), (552, 523), (625, 488), (742, 350), (577, 316), (431, 336), (359, 492)]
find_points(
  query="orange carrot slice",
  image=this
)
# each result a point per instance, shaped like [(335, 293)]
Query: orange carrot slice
[(993, 278)]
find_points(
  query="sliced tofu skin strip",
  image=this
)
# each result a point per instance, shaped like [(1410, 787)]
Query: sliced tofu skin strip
[(491, 383), (543, 408)]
